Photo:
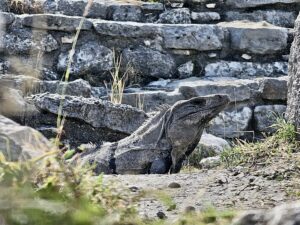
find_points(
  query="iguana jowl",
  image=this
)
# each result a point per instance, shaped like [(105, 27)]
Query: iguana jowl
[(161, 143)]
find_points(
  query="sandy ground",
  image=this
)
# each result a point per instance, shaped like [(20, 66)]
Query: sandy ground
[(238, 188)]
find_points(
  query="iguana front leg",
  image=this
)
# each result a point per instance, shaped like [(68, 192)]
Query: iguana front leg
[(177, 155), (160, 166)]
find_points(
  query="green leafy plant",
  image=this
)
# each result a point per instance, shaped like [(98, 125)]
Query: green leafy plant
[(47, 191)]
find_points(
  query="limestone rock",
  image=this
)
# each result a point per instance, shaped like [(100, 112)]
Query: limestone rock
[(19, 143), (175, 16), (91, 58), (12, 102), (152, 6), (77, 87), (232, 123), (294, 79), (23, 42), (148, 62), (175, 36), (266, 115), (3, 6), (275, 17), (274, 88), (210, 162), (237, 90), (195, 37), (24, 84), (55, 22), (5, 18), (48, 74), (281, 215), (186, 70), (125, 12), (208, 147), (246, 69), (256, 3), (97, 113), (205, 17), (258, 38), (125, 29), (211, 145), (151, 100), (99, 8), (28, 85), (4, 66)]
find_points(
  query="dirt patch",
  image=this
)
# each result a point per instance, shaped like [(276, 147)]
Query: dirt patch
[(240, 188)]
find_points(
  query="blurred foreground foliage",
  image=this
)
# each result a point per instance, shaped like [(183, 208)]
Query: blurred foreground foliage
[(46, 191)]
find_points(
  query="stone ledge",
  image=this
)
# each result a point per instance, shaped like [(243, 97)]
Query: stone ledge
[(257, 38), (55, 22), (245, 69), (95, 112), (256, 3)]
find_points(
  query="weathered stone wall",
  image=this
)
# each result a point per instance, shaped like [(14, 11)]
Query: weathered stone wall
[(237, 47), (294, 80)]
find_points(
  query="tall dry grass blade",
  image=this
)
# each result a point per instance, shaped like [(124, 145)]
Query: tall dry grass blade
[(70, 61)]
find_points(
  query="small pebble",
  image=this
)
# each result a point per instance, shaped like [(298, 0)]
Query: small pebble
[(246, 56), (174, 185), (161, 215), (211, 6), (189, 209), (212, 55), (222, 180), (134, 189)]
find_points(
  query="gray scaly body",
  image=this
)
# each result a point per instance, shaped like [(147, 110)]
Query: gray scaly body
[(161, 143)]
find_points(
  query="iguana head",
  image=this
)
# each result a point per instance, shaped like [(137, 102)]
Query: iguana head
[(185, 122)]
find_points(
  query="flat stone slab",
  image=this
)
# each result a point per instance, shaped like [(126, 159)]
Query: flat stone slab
[(175, 36), (89, 58), (257, 38), (104, 9), (237, 90), (55, 22), (276, 17), (246, 69), (205, 17), (98, 113), (194, 37), (126, 29), (151, 100), (256, 3)]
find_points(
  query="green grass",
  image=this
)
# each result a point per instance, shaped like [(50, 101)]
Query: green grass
[(281, 144), (49, 192)]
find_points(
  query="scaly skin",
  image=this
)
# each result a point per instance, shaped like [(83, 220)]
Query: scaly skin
[(161, 143)]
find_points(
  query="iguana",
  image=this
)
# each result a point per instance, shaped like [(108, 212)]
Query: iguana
[(161, 143)]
